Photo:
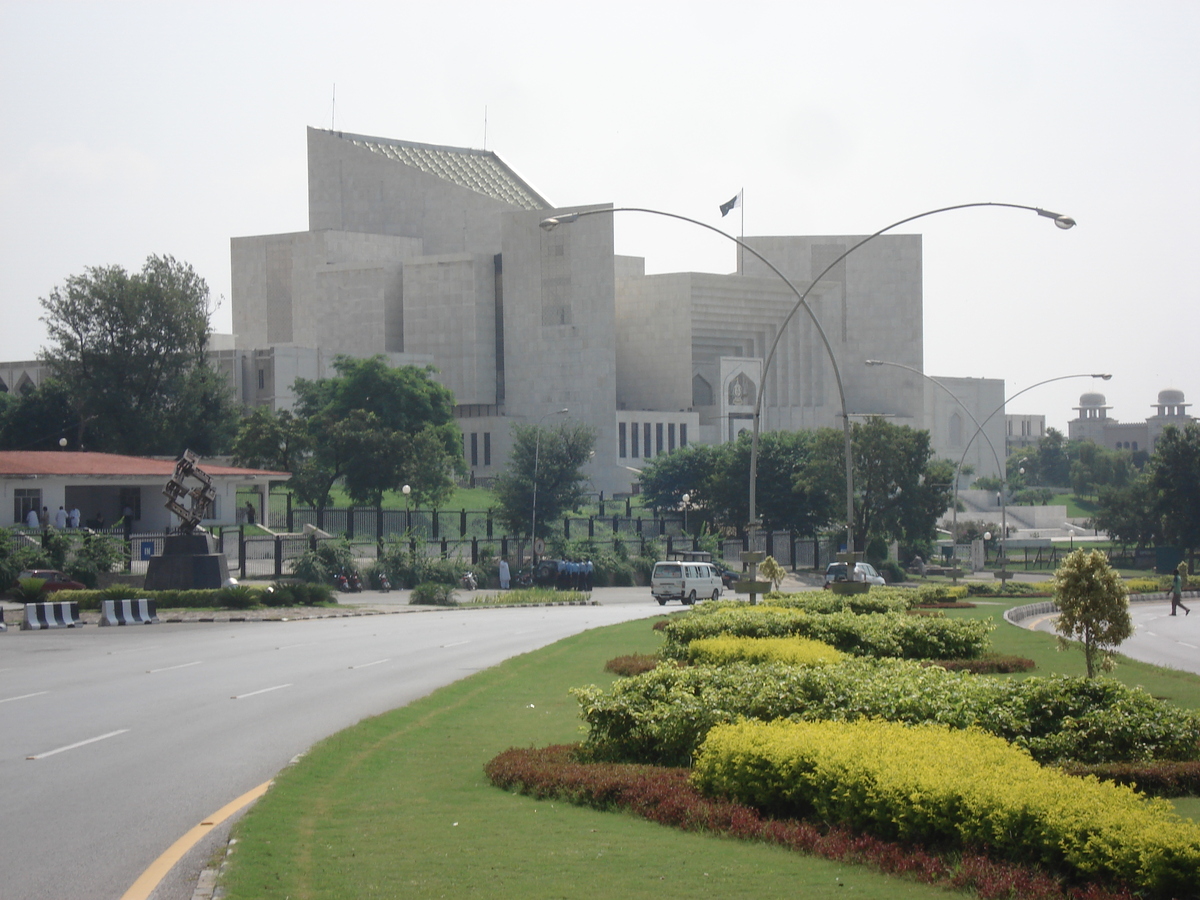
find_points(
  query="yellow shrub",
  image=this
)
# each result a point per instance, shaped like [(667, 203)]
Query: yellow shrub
[(931, 784), (796, 651)]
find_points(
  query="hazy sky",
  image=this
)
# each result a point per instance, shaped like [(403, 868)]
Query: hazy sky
[(128, 129)]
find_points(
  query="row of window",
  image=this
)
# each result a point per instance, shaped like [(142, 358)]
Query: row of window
[(648, 439)]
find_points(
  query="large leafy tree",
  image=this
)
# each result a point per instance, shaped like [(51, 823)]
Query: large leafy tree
[(372, 427), (128, 351), (1093, 608), (900, 490), (558, 456)]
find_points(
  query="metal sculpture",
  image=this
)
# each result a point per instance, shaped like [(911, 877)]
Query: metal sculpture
[(202, 497)]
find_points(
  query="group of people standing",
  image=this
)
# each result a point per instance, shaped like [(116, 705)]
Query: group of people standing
[(575, 575), (62, 518)]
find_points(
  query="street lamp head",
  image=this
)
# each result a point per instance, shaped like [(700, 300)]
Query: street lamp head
[(1063, 222), (1105, 376), (874, 362), (553, 222), (406, 490)]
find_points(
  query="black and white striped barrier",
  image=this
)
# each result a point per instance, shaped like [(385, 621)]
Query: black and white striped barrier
[(60, 614), (128, 612)]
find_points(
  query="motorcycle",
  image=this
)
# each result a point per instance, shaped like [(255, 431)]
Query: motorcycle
[(468, 581), (341, 582), (355, 582), (385, 583)]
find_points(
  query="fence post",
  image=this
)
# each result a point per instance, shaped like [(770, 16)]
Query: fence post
[(291, 525), (241, 551), (504, 546), (350, 522), (474, 551), (278, 556), (379, 530), (566, 528), (489, 523), (445, 549), (434, 515), (462, 523), (670, 545), (591, 526)]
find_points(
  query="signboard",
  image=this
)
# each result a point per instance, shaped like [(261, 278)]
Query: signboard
[(145, 549)]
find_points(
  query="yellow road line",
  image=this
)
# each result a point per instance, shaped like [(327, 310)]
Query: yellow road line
[(158, 869)]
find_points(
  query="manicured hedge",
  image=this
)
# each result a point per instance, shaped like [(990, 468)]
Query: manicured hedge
[(662, 717), (721, 651), (281, 594), (894, 635), (894, 781)]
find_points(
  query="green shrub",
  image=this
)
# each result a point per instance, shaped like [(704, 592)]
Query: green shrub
[(319, 566), (432, 593), (96, 554), (661, 717), (878, 600), (892, 781), (29, 590), (892, 571), (236, 596)]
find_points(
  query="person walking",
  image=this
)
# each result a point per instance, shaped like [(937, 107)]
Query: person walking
[(60, 519), (31, 518), (1177, 592), (505, 575)]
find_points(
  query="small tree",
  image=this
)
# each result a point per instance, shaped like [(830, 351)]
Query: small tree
[(1093, 607), (773, 571)]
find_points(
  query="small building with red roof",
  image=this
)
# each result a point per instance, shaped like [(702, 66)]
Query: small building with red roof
[(102, 486)]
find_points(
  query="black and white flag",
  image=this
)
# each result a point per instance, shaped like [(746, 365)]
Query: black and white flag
[(733, 203)]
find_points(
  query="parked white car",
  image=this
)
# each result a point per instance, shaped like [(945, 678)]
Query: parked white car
[(686, 582), (839, 571)]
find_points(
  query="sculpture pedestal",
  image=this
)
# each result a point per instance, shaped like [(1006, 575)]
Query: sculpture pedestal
[(188, 562)]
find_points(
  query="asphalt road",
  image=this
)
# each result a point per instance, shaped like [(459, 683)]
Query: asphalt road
[(138, 733), (1158, 637)]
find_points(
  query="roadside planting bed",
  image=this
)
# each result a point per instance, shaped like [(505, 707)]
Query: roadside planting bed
[(824, 709)]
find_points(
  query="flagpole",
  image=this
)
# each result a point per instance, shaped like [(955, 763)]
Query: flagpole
[(741, 252)]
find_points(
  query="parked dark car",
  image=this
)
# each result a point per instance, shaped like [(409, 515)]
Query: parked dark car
[(55, 580)]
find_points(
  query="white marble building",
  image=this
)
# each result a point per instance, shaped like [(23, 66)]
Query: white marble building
[(434, 255)]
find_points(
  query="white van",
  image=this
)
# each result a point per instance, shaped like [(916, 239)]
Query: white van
[(686, 582)]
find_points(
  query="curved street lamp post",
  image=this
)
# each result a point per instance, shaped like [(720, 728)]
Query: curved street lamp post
[(551, 222)]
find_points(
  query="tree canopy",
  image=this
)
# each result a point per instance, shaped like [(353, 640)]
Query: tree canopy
[(558, 455), (1161, 505), (1093, 607), (372, 427), (127, 352), (900, 490)]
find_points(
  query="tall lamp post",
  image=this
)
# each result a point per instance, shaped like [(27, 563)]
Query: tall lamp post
[(537, 451), (1060, 220)]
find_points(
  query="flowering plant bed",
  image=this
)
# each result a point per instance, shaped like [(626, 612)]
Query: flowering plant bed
[(666, 796)]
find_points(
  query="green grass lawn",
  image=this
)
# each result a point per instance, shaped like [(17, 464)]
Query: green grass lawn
[(398, 806)]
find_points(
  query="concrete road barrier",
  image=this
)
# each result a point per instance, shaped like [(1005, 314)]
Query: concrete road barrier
[(52, 614), (128, 612)]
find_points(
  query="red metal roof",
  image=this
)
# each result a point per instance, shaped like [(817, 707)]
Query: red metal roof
[(66, 462)]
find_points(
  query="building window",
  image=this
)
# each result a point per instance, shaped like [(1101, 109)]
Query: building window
[(633, 441), (262, 380), (474, 448), (25, 499), (621, 440), (683, 434), (646, 440), (670, 436), (487, 448), (658, 439)]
